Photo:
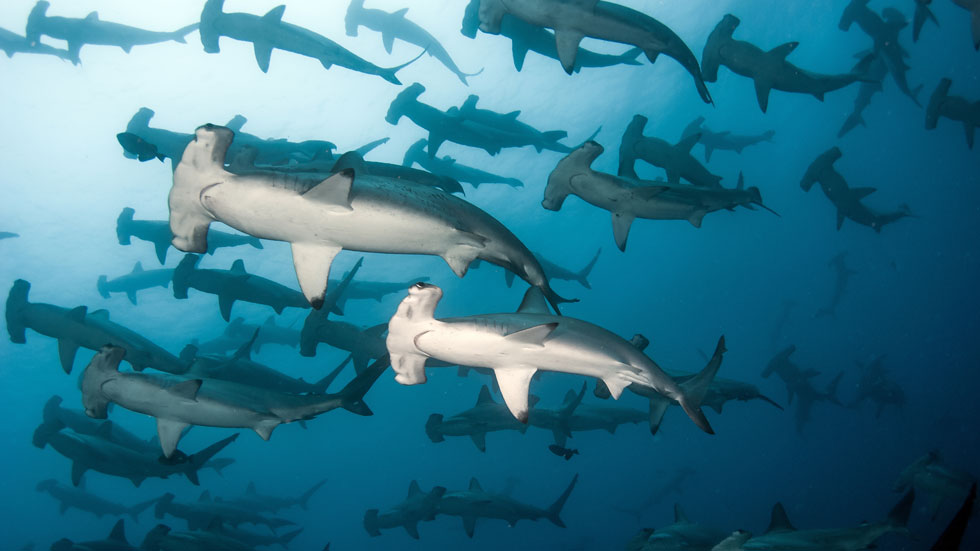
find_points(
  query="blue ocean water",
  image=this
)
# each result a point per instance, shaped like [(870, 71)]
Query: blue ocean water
[(912, 299)]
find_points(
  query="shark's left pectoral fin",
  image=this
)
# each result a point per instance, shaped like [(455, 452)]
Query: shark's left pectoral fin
[(658, 408), (77, 471), (469, 525), (131, 295), (263, 54), (67, 349), (567, 42), (226, 300), (621, 228), (169, 432), (412, 528), (697, 217), (480, 440), (615, 384), (762, 88), (466, 249), (312, 262), (515, 383), (388, 39)]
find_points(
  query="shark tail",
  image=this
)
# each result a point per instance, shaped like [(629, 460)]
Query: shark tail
[(102, 286), (135, 510), (179, 34), (432, 425), (371, 522), (323, 384), (583, 275), (553, 511), (629, 57), (695, 388), (389, 73), (198, 460), (16, 303), (182, 272), (352, 395), (305, 498)]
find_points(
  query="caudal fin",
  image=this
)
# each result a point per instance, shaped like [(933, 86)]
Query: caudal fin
[(695, 388), (583, 274), (323, 384), (304, 499), (179, 34), (554, 510), (198, 460), (352, 395)]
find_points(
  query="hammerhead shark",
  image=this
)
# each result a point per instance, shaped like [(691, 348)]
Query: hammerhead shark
[(92, 30), (682, 534), (846, 199), (115, 541), (842, 275), (475, 503), (929, 475), (255, 501), (798, 385), (319, 218), (724, 140), (201, 513), (12, 43), (137, 280), (602, 20), (676, 160), (158, 233), (448, 167), (268, 32), (874, 69), (884, 31), (70, 497), (922, 14), (394, 26), (876, 385), (769, 70), (417, 507), (954, 108), (486, 416)]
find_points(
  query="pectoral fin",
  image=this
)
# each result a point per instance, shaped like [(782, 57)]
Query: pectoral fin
[(762, 89), (225, 302), (567, 44), (389, 41), (169, 433), (263, 54), (312, 262), (480, 439), (66, 353), (621, 228), (515, 383)]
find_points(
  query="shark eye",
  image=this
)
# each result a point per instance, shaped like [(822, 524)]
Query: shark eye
[(419, 285)]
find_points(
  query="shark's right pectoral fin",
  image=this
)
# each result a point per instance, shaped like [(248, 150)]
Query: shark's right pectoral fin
[(515, 383), (567, 42), (263, 54), (762, 88), (66, 353), (621, 228), (658, 408), (169, 432), (77, 471), (480, 440), (312, 262), (519, 51)]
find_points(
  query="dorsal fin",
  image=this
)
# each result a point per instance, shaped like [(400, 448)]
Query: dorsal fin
[(414, 489), (94, 16), (236, 123), (784, 50), (484, 397), (186, 389), (401, 12), (335, 190), (118, 532), (534, 302), (679, 516), (687, 143), (513, 114), (780, 521), (238, 267), (77, 313), (475, 485), (100, 314), (275, 14), (138, 268)]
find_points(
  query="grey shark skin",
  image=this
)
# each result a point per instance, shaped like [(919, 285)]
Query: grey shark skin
[(681, 535), (232, 285), (270, 334), (116, 541), (448, 167), (417, 507), (486, 416), (99, 453), (798, 385), (92, 30), (158, 233), (876, 385), (201, 513), (842, 275), (874, 69), (179, 403), (922, 14), (525, 37), (140, 141), (676, 160), (954, 108), (769, 70), (12, 43), (555, 271), (574, 416), (516, 345), (77, 328), (952, 536), (450, 125), (781, 533), (345, 211), (8, 235), (508, 123), (77, 498), (847, 200), (394, 26), (240, 368), (137, 280), (884, 31), (475, 503), (211, 537), (255, 501), (928, 475), (725, 140), (268, 32), (972, 6), (602, 20), (629, 199), (363, 343), (244, 164)]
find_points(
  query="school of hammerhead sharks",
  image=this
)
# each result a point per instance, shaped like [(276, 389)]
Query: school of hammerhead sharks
[(320, 203)]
